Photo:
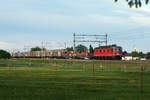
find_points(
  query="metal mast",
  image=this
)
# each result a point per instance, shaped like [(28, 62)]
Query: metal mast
[(100, 39), (106, 39), (85, 38), (74, 42)]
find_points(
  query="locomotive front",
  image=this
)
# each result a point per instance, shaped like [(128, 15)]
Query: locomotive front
[(112, 52)]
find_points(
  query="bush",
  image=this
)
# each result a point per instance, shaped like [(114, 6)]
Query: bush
[(36, 49), (4, 54)]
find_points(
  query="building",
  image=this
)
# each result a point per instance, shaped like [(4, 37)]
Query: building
[(134, 49)]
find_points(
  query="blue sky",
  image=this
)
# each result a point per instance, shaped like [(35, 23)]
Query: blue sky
[(30, 22)]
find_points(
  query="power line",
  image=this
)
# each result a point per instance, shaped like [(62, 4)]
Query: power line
[(89, 38)]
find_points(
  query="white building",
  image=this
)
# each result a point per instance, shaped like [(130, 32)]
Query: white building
[(127, 58)]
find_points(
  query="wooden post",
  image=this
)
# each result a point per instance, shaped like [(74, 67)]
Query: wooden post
[(101, 68), (72, 63), (109, 67), (8, 68), (84, 67), (124, 68), (141, 79), (145, 68), (93, 69), (56, 64)]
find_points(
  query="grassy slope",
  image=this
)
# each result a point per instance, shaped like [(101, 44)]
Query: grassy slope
[(71, 80)]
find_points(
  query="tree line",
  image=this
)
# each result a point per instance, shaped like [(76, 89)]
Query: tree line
[(4, 54), (141, 54)]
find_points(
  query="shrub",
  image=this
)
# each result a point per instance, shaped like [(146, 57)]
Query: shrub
[(4, 54)]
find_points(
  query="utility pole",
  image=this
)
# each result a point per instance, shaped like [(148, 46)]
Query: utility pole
[(24, 52), (42, 45), (26, 48), (65, 44), (141, 79), (74, 44), (106, 39)]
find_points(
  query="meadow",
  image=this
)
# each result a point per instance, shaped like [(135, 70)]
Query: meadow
[(52, 79)]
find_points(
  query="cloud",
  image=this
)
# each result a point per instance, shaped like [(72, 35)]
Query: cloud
[(106, 19), (138, 16), (45, 19), (17, 47), (147, 10), (141, 19), (6, 46)]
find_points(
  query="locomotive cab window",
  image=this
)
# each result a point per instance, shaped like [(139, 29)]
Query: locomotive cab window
[(120, 49), (100, 50), (111, 50), (114, 49)]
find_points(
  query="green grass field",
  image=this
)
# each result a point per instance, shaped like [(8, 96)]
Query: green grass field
[(33, 79)]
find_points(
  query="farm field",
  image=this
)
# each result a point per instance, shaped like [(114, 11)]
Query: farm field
[(51, 79)]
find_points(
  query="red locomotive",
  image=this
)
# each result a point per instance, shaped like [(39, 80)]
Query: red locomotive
[(108, 52)]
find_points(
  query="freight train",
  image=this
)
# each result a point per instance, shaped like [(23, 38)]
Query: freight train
[(111, 52)]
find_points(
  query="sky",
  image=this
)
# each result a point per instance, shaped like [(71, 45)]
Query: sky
[(28, 23)]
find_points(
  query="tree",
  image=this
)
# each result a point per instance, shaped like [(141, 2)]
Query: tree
[(69, 48), (91, 49), (134, 54), (148, 55), (4, 54), (125, 53), (141, 54), (81, 48), (136, 3), (36, 49)]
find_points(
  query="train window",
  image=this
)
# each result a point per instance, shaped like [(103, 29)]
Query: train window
[(120, 49), (103, 50), (111, 50), (97, 51), (107, 50), (114, 49), (100, 50)]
